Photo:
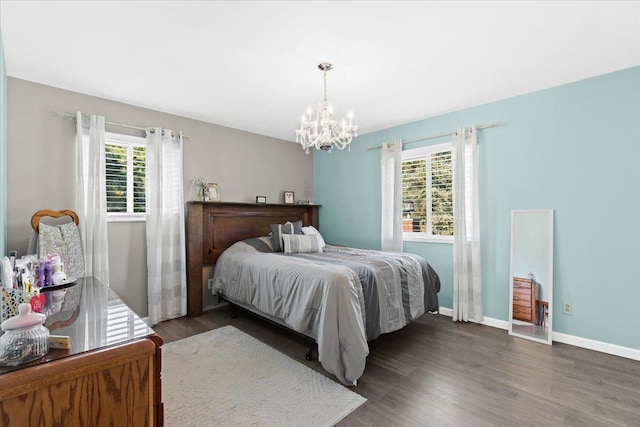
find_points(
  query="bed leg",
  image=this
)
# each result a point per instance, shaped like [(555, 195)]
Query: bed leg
[(309, 355), (234, 312)]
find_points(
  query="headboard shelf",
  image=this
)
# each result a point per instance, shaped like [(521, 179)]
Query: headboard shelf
[(214, 226)]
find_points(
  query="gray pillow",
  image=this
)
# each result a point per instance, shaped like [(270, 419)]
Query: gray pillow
[(277, 230)]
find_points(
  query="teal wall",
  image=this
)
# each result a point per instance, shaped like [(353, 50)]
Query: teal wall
[(574, 149), (3, 151)]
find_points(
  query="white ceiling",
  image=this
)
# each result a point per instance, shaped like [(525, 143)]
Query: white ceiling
[(253, 65)]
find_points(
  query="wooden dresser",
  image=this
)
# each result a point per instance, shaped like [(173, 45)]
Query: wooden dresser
[(525, 296), (109, 377)]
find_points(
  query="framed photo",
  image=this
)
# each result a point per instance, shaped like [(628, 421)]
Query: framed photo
[(213, 192), (261, 199), (288, 197)]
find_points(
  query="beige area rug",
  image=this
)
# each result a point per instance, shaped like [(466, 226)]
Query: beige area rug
[(225, 377)]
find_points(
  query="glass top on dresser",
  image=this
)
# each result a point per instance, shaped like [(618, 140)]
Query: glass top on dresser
[(92, 315)]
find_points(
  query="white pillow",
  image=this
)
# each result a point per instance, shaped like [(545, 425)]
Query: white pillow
[(297, 243), (311, 230)]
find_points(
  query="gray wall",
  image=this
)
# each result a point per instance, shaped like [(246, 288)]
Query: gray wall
[(41, 170)]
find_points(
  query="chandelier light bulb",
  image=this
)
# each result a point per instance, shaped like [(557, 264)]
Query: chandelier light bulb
[(323, 132)]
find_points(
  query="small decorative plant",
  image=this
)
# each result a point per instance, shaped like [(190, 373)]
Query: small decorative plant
[(203, 190)]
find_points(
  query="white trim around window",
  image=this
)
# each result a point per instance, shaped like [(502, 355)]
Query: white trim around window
[(417, 154), (130, 142), (426, 238)]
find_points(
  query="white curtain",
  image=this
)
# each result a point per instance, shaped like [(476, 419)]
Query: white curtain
[(391, 168), (166, 258), (91, 196), (467, 286)]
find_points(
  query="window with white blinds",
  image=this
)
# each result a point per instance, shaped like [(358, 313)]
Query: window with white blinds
[(125, 159), (427, 194)]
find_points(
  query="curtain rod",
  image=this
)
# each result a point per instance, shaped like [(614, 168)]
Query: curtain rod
[(480, 127), (73, 116)]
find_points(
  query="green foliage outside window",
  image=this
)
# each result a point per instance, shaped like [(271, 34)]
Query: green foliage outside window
[(427, 193), (125, 178), (414, 193), (139, 179), (441, 195)]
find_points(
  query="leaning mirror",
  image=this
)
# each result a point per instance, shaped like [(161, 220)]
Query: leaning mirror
[(531, 275)]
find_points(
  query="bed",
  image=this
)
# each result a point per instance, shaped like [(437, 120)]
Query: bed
[(340, 298)]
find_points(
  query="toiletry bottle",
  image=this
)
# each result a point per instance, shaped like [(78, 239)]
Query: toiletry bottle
[(40, 270), (48, 280)]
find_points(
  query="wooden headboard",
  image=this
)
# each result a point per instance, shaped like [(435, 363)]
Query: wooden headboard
[(212, 227)]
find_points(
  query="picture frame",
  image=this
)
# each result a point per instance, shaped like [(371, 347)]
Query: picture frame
[(289, 198), (213, 192), (261, 199)]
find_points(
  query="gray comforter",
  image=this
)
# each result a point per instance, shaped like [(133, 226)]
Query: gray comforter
[(342, 297)]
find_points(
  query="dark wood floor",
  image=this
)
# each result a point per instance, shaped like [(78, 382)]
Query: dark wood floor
[(435, 372)]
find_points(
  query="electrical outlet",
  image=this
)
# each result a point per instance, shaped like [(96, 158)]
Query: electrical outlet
[(566, 308), (210, 284)]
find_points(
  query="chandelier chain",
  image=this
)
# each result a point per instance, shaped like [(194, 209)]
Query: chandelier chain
[(324, 92)]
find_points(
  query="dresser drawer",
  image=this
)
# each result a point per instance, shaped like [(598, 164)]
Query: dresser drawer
[(522, 298), (522, 313), (519, 284)]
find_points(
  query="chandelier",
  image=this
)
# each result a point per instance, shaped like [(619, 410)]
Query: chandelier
[(323, 132)]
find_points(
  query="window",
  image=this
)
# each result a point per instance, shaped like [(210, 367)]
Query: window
[(125, 158), (427, 194)]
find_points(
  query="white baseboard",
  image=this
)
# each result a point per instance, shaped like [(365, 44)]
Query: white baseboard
[(488, 321), (603, 347), (616, 350)]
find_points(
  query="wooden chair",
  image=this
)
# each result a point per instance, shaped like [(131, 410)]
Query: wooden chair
[(35, 219), (70, 308), (50, 218), (544, 312)]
